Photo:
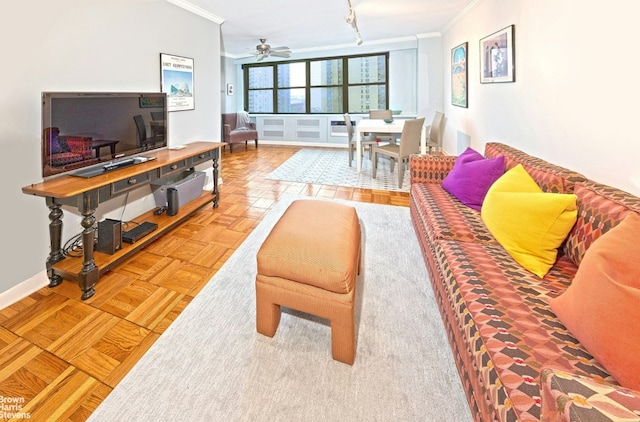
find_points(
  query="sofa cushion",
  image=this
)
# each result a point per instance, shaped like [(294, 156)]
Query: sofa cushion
[(530, 224), (442, 216), (472, 176), (560, 401), (550, 177), (601, 307), (499, 316), (600, 208)]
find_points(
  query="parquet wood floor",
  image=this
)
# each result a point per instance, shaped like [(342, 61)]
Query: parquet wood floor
[(61, 356)]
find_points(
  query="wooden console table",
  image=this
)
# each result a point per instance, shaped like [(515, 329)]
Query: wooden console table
[(87, 194)]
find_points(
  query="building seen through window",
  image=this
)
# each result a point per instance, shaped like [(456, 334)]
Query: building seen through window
[(353, 84)]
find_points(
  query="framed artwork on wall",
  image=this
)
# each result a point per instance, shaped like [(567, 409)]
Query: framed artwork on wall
[(497, 57), (151, 102), (459, 77), (176, 76)]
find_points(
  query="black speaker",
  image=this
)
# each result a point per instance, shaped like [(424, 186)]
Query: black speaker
[(172, 201), (109, 236)]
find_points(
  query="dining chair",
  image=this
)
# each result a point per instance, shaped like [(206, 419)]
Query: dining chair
[(382, 115), (140, 126), (409, 144), (367, 140), (435, 132)]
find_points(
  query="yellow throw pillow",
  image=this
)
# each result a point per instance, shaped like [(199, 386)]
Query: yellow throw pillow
[(529, 223)]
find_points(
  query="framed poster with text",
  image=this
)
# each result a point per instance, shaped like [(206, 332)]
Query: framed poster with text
[(176, 76)]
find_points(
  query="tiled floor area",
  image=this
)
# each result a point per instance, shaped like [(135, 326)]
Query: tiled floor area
[(61, 356)]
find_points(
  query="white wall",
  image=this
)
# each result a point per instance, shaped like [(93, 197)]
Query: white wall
[(429, 83), (87, 45), (574, 101), (229, 102)]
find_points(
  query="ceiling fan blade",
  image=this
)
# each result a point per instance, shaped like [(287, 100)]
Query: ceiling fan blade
[(281, 53), (261, 56), (279, 48)]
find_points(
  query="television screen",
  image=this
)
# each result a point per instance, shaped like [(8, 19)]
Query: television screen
[(85, 129)]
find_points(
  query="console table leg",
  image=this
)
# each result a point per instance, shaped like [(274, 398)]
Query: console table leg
[(55, 238), (216, 192), (89, 274)]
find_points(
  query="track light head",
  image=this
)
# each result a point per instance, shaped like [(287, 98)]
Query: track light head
[(351, 17)]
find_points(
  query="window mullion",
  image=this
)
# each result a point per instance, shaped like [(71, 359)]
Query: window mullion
[(275, 89)]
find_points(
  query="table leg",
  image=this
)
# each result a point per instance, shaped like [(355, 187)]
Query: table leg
[(55, 238), (216, 192), (89, 274), (358, 150)]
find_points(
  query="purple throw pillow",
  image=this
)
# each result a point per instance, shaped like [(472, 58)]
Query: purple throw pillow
[(472, 176)]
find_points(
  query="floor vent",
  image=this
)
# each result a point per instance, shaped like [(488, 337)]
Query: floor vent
[(307, 134), (273, 133), (273, 122), (308, 122)]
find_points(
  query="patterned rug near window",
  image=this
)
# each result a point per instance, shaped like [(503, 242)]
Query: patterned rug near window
[(326, 166)]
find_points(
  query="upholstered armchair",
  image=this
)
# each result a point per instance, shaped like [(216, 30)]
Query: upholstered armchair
[(237, 128)]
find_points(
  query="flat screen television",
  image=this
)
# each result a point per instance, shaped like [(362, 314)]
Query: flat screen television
[(82, 131)]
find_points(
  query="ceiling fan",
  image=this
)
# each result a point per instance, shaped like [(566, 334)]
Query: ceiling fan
[(264, 50)]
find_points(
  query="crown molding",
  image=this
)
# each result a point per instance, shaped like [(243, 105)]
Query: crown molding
[(429, 35), (197, 10), (460, 15)]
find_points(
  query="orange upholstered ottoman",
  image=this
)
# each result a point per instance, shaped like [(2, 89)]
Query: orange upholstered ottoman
[(309, 262)]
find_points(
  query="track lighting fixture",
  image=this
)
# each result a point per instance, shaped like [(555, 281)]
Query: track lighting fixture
[(351, 17), (351, 20)]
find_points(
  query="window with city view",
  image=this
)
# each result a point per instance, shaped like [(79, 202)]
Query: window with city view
[(354, 84)]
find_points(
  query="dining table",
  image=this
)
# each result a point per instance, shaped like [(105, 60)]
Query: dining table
[(380, 126)]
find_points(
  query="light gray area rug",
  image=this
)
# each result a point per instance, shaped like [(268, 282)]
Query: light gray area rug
[(212, 365), (331, 167)]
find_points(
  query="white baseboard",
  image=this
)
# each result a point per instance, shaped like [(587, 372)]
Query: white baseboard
[(24, 289)]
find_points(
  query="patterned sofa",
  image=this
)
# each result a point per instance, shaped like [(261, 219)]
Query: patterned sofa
[(516, 360)]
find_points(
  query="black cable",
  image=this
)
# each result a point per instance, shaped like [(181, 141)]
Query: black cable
[(125, 224), (73, 246), (124, 207)]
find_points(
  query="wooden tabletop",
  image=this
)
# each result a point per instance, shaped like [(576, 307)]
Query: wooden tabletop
[(69, 186)]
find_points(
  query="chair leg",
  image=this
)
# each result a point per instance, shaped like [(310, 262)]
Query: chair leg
[(392, 163), (400, 173), (375, 164), (256, 143), (350, 154)]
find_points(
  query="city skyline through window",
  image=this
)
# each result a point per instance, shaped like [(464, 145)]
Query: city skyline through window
[(355, 84)]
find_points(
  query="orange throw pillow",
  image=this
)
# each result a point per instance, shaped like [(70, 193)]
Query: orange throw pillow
[(601, 307)]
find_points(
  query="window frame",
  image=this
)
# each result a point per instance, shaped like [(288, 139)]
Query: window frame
[(345, 82)]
